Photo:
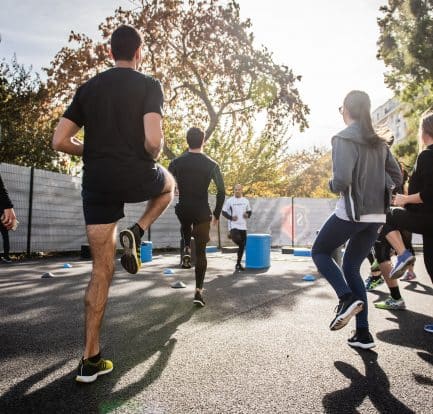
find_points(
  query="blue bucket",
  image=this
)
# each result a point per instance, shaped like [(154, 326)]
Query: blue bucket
[(258, 251), (146, 251)]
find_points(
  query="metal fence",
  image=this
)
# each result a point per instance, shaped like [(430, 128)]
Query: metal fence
[(48, 206)]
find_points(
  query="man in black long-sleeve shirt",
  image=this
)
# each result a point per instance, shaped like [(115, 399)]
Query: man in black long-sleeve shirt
[(194, 172)]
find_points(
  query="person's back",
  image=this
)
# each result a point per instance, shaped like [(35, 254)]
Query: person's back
[(111, 107), (194, 173), (360, 172)]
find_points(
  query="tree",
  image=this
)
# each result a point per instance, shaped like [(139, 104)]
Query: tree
[(212, 74), (308, 174), (26, 122), (406, 36)]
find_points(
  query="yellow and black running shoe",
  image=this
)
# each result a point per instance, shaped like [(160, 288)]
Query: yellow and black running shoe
[(131, 242), (90, 371)]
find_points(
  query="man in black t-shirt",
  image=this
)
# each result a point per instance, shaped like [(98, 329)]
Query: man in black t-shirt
[(194, 172), (121, 111)]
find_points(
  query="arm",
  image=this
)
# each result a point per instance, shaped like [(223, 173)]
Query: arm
[(154, 137), (8, 217), (219, 182), (424, 168), (64, 138), (152, 118), (393, 169), (248, 211), (344, 156)]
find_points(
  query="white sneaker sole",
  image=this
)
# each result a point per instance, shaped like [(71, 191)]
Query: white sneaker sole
[(342, 320), (92, 378), (361, 345)]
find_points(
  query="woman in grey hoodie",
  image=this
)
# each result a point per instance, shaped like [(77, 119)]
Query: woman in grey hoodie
[(364, 174)]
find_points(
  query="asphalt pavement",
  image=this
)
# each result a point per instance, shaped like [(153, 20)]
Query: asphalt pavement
[(261, 344)]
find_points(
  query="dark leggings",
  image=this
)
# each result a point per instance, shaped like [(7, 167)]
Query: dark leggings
[(421, 223), (200, 231), (240, 238), (345, 279), (5, 235)]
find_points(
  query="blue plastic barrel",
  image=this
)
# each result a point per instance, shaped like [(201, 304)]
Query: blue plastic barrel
[(146, 251), (258, 251)]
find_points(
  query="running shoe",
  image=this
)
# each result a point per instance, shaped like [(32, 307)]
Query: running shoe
[(372, 282), (408, 276), (186, 261), (364, 341), (375, 267), (239, 268), (198, 299), (429, 328), (90, 371), (131, 242), (6, 259), (391, 304), (345, 310), (402, 263)]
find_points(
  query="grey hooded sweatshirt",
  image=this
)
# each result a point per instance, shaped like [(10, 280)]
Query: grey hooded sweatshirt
[(364, 174)]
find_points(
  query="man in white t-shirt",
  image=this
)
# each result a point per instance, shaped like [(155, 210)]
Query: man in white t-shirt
[(237, 211)]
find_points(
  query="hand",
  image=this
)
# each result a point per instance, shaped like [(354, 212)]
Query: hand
[(245, 215), (8, 218), (399, 200), (234, 218), (214, 221)]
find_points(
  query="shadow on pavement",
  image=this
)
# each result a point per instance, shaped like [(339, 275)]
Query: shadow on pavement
[(374, 385), (42, 323)]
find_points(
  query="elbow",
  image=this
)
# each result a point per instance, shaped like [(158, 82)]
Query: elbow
[(56, 144)]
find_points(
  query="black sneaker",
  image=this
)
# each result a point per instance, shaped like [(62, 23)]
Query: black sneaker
[(89, 371), (239, 268), (345, 311), (131, 242), (198, 299), (186, 261), (364, 341)]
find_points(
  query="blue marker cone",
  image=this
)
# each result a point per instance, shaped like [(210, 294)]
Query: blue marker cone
[(309, 278), (168, 271), (67, 266)]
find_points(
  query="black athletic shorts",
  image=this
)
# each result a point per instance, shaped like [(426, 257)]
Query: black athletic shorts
[(197, 217), (104, 208), (383, 250)]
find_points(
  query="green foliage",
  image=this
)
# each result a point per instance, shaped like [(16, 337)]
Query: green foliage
[(213, 76), (26, 128), (405, 46)]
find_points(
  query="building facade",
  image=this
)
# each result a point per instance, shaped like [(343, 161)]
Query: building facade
[(390, 115)]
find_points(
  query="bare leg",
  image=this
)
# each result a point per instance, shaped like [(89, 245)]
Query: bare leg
[(102, 241), (156, 206), (395, 240)]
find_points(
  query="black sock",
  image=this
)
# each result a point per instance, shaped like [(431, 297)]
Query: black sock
[(140, 230), (376, 277), (95, 359), (362, 331), (395, 293), (345, 296)]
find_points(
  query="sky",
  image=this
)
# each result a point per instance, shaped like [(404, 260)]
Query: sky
[(332, 44)]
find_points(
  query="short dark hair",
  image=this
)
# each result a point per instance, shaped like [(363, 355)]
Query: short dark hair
[(195, 138), (125, 41)]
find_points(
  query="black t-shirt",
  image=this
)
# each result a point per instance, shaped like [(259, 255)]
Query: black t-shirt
[(111, 107), (193, 173), (421, 181)]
